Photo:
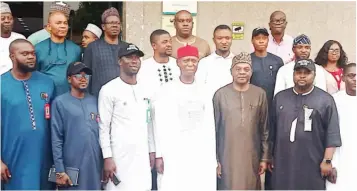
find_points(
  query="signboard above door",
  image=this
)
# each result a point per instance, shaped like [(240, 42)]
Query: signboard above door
[(172, 7)]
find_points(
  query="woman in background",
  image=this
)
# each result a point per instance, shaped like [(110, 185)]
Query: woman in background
[(332, 58)]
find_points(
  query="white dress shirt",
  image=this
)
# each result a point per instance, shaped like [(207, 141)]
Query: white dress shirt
[(215, 71), (285, 77)]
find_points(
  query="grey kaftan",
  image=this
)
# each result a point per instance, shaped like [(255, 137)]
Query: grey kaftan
[(241, 136)]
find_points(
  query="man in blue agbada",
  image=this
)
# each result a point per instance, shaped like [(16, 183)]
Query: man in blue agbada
[(75, 133), (26, 94), (56, 53)]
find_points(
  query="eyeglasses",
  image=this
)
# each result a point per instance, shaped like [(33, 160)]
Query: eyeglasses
[(79, 76), (337, 51), (280, 21)]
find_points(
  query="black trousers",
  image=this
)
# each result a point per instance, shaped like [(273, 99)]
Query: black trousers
[(154, 179), (268, 180)]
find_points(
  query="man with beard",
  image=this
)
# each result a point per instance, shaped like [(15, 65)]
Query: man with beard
[(123, 128), (102, 55), (184, 130), (74, 128), (56, 53), (7, 36), (90, 34), (184, 24), (154, 73), (280, 43), (306, 133), (343, 159), (241, 116), (265, 67), (161, 68), (301, 49), (26, 94), (214, 70)]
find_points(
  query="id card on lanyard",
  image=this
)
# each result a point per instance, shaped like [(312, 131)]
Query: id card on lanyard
[(148, 111), (47, 105)]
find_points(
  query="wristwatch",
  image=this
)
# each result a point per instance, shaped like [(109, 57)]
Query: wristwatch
[(327, 161)]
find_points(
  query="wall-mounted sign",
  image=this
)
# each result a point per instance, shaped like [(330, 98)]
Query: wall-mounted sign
[(238, 31), (167, 23), (172, 7)]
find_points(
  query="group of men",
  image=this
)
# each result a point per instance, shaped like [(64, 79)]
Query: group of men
[(198, 120)]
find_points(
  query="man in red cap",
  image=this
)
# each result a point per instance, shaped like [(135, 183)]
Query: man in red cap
[(185, 139)]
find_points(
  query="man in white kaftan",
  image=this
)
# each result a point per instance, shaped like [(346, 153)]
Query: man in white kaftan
[(124, 126), (184, 130), (343, 159), (161, 68), (156, 71)]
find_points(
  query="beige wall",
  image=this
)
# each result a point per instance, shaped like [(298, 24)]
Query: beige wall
[(321, 21)]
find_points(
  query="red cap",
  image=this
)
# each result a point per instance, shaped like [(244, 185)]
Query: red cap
[(187, 51)]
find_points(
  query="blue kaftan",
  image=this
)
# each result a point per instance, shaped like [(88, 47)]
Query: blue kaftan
[(53, 60), (25, 132), (75, 139)]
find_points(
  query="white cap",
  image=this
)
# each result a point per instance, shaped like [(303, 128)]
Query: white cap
[(5, 8), (94, 29)]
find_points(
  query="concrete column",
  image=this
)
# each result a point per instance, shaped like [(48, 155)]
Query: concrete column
[(139, 24)]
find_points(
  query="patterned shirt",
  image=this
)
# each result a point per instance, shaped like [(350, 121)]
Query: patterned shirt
[(102, 58)]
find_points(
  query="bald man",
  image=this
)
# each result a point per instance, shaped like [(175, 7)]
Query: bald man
[(184, 24), (56, 53), (25, 141), (280, 43)]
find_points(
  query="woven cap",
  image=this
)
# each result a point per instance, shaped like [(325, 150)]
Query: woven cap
[(242, 57)]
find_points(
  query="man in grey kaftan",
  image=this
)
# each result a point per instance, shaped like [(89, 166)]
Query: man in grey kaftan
[(241, 118)]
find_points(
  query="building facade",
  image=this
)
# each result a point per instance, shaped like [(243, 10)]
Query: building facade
[(321, 21)]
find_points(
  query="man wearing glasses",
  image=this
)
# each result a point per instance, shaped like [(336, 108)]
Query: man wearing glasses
[(102, 55), (75, 132), (280, 43)]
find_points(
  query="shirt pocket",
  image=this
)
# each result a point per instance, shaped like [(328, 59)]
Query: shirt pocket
[(123, 109), (253, 112)]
